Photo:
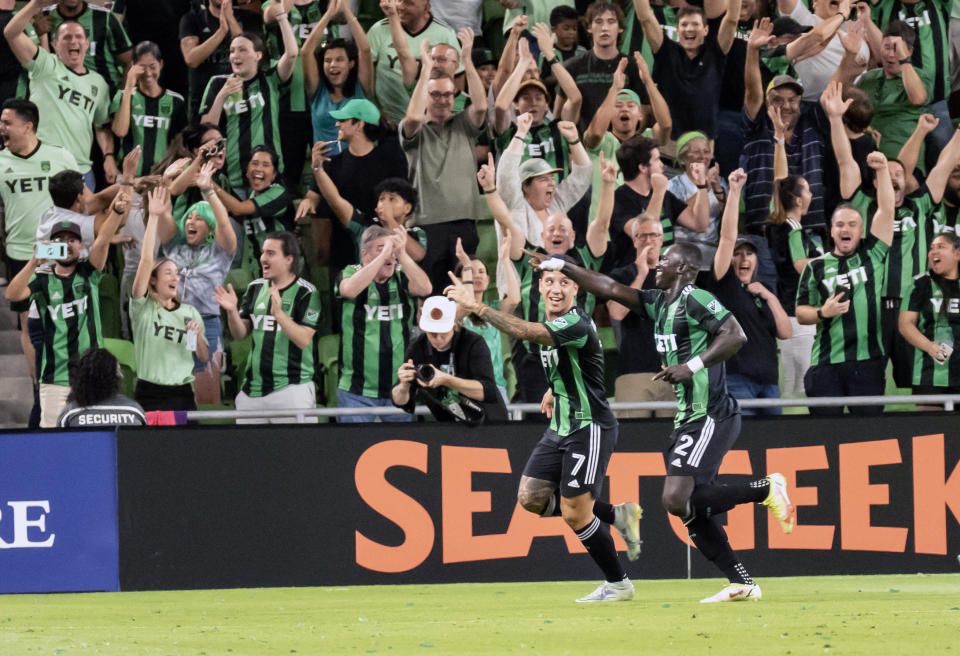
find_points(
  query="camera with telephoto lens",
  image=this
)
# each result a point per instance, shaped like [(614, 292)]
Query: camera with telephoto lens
[(425, 372)]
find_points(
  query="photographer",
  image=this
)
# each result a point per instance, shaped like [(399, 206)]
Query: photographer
[(450, 368)]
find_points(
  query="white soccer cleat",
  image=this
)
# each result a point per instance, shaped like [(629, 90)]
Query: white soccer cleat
[(735, 592), (626, 519), (779, 503), (607, 591)]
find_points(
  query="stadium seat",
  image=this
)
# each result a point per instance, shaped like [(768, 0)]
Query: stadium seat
[(124, 352), (328, 363)]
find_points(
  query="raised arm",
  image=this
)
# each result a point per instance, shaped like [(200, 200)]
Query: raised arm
[(417, 107), (341, 207), (504, 99), (834, 106), (158, 201), (365, 73), (354, 285), (753, 83), (652, 31), (418, 282), (946, 162), (882, 225), (574, 99), (408, 63), (23, 48), (224, 235), (507, 273), (598, 231), (121, 120), (231, 86), (290, 48), (308, 52), (118, 214), (508, 323), (696, 216), (477, 111), (663, 121), (607, 110), (912, 84), (487, 177), (227, 298), (727, 31), (729, 225), (195, 53), (508, 172), (910, 150)]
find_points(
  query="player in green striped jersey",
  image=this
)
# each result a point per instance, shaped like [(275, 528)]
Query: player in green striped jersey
[(840, 293), (565, 470), (246, 104), (378, 308), (109, 52), (68, 301), (930, 321), (144, 113), (694, 335), (281, 311)]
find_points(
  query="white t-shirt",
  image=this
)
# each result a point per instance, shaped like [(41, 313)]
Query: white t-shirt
[(816, 71), (55, 215)]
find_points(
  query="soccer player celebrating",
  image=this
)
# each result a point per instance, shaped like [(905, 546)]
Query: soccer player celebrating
[(695, 334), (572, 455)]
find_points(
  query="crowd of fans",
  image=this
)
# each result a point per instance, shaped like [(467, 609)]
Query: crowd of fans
[(286, 172)]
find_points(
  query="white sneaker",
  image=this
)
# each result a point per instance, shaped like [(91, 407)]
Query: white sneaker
[(606, 591), (627, 522), (779, 503), (735, 592)]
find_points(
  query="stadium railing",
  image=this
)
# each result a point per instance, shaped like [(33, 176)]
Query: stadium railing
[(517, 410)]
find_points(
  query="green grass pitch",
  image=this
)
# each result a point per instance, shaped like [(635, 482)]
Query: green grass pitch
[(906, 614)]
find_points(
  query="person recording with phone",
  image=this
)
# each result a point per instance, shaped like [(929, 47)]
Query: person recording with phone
[(449, 370), (840, 293)]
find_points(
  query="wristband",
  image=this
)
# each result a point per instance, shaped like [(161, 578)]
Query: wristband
[(108, 154), (467, 268), (551, 62), (694, 364), (573, 143), (703, 186), (551, 264), (906, 61), (820, 314), (125, 184), (779, 142), (489, 191)]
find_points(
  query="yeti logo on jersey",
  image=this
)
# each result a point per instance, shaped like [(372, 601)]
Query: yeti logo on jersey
[(904, 224), (245, 105), (848, 279), (549, 358), (68, 310), (151, 121), (265, 322), (384, 312), (666, 343), (953, 305)]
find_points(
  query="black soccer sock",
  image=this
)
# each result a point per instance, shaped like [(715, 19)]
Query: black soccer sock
[(710, 538), (596, 538), (604, 511), (713, 499)]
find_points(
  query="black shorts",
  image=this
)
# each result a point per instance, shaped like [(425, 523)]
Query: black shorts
[(13, 268), (577, 463), (697, 448)]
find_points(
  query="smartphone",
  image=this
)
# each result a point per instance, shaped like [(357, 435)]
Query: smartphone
[(53, 251), (844, 293), (191, 341)]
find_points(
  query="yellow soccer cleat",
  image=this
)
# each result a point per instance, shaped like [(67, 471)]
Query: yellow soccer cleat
[(627, 522), (779, 503)]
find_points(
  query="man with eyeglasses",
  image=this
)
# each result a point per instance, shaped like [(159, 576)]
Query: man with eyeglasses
[(639, 361), (439, 147)]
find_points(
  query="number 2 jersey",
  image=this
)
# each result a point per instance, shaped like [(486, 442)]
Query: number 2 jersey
[(683, 329)]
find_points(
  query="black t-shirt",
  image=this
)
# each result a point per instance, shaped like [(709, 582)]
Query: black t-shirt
[(468, 357), (757, 360), (628, 204), (149, 20), (691, 87), (594, 76), (732, 89), (638, 352), (200, 23)]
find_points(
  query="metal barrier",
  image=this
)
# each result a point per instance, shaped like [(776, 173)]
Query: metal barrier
[(517, 410)]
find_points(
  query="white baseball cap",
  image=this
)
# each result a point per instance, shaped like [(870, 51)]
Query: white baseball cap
[(438, 315)]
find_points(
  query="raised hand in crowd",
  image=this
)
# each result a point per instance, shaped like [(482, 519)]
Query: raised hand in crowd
[(226, 297)]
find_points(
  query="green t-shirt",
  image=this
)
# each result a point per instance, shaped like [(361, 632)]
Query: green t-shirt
[(938, 319), (856, 335), (303, 18), (160, 341), (392, 95), (107, 40), (25, 194), (608, 146), (894, 116), (275, 362), (273, 206), (153, 123), (70, 105), (69, 311), (375, 329), (537, 11)]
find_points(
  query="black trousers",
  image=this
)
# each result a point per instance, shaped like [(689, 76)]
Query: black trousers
[(862, 378), (164, 397)]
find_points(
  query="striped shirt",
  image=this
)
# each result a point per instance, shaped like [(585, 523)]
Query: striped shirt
[(931, 49), (938, 319)]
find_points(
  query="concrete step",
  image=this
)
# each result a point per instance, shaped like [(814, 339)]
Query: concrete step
[(12, 366), (14, 415), (16, 389), (9, 342), (8, 319)]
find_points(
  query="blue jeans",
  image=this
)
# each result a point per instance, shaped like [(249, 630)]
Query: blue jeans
[(90, 180), (347, 399), (742, 387), (213, 332)]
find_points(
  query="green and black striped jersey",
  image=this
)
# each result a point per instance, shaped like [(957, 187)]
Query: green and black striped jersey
[(153, 123), (531, 303), (374, 332), (856, 335), (274, 361), (944, 220), (107, 40), (273, 213), (575, 372), (938, 318), (931, 49), (683, 329), (912, 234), (70, 314), (303, 18), (543, 141), (252, 120)]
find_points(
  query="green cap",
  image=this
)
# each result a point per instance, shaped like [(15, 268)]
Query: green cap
[(534, 167), (205, 212), (359, 109), (629, 94), (687, 137)]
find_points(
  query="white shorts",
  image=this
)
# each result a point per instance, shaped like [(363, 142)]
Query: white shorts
[(291, 397), (53, 398)]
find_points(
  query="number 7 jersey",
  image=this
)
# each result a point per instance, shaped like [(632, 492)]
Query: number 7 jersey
[(684, 329)]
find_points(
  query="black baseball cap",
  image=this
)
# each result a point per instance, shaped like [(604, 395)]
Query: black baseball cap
[(786, 25), (66, 226)]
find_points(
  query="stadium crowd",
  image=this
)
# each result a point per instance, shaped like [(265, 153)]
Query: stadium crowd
[(263, 203)]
